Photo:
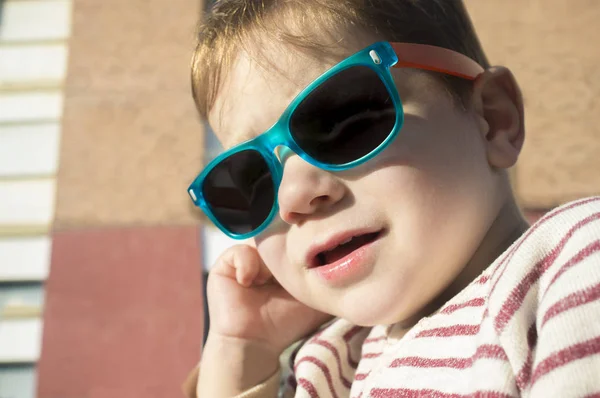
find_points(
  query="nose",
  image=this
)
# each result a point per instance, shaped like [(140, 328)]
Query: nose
[(306, 190)]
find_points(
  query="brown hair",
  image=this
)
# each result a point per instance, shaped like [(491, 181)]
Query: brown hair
[(232, 25)]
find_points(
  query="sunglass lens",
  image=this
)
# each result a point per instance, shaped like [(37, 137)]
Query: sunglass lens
[(345, 118), (240, 191)]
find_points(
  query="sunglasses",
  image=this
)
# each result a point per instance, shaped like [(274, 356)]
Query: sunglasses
[(345, 117)]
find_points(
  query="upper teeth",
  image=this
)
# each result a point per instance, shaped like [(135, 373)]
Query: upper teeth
[(346, 241)]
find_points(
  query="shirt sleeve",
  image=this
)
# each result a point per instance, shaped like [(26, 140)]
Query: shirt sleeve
[(564, 340), (189, 385), (267, 389)]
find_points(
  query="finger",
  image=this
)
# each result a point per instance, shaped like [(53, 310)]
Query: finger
[(240, 262), (264, 275)]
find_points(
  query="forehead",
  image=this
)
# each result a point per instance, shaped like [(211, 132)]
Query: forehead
[(258, 88)]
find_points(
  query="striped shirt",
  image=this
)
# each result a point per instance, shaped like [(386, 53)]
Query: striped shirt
[(529, 325)]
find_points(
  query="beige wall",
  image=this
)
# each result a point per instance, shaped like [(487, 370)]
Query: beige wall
[(131, 138), (552, 47)]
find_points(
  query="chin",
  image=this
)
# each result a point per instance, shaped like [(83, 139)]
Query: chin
[(370, 316), (374, 309), (362, 321)]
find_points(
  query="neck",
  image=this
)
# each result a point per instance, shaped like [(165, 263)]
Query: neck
[(507, 227)]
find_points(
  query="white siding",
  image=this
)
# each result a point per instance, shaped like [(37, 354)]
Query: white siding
[(20, 340), (16, 107), (24, 259), (29, 150), (33, 66), (27, 202), (19, 64), (35, 20)]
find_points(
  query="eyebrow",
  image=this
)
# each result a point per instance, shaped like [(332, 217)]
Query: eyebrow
[(249, 128), (231, 136), (237, 139)]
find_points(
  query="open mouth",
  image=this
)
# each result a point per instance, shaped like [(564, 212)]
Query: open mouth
[(343, 249)]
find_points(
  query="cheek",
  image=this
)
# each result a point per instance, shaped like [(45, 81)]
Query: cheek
[(274, 253), (436, 164), (445, 146), (436, 176), (272, 250)]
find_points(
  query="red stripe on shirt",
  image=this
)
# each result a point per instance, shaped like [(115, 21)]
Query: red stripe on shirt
[(571, 301), (574, 300), (476, 302), (309, 387), (448, 331), (582, 255), (361, 376), (372, 355), (317, 334), (515, 300), (409, 393), (489, 351), (522, 378), (318, 363), (338, 360), (374, 339), (506, 259), (352, 332), (566, 356)]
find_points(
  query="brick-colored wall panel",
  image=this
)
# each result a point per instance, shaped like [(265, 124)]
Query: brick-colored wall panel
[(552, 49), (128, 160), (123, 313)]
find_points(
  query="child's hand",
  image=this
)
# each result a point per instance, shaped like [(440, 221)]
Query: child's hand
[(245, 302)]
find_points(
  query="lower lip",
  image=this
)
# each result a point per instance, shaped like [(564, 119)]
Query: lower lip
[(350, 267)]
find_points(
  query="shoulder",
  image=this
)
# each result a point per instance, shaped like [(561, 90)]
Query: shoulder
[(564, 231), (332, 354), (570, 257), (560, 252), (544, 291), (564, 234), (573, 223)]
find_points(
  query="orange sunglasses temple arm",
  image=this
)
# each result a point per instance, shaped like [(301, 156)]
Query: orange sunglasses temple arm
[(437, 59)]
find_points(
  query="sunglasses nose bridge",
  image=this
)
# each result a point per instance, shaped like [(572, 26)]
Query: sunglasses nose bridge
[(276, 142), (282, 152)]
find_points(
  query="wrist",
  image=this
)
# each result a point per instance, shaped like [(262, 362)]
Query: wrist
[(232, 365), (245, 347)]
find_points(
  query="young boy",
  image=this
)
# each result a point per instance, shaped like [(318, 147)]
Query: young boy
[(383, 228)]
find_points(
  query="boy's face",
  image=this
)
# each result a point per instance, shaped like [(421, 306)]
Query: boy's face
[(427, 200)]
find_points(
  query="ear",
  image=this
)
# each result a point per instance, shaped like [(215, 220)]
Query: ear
[(498, 102)]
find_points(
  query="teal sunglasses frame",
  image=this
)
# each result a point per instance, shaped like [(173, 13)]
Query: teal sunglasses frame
[(379, 57)]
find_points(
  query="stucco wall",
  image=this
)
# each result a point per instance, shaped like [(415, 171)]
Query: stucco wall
[(552, 47)]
